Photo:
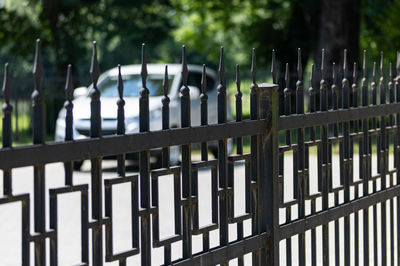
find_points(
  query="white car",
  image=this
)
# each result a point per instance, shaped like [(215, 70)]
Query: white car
[(107, 85)]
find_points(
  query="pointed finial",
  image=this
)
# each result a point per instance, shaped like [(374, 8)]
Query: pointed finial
[(334, 73), (365, 64), (381, 65), (120, 83), (221, 68), (143, 71), (6, 84), (165, 81), (345, 63), (37, 66), (322, 63), (69, 85), (374, 71), (237, 78), (398, 63), (253, 65), (184, 67), (390, 72), (94, 68), (355, 73), (299, 66), (287, 75), (203, 79), (273, 67), (312, 74)]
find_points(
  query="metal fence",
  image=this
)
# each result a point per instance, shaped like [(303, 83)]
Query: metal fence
[(279, 224)]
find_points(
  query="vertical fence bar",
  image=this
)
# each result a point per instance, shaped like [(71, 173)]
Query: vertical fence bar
[(365, 173), (335, 100), (7, 129), (120, 121), (383, 162), (144, 167), (186, 162), (38, 138), (204, 145), (354, 89), (222, 156), (374, 188), (391, 100), (165, 116), (204, 111), (238, 96), (96, 168), (324, 172), (68, 105), (312, 108), (288, 102), (312, 103), (346, 153), (301, 173), (239, 148)]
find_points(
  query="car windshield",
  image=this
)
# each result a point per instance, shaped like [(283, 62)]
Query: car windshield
[(132, 85)]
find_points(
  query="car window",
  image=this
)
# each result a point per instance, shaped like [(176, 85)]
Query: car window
[(194, 79), (132, 85)]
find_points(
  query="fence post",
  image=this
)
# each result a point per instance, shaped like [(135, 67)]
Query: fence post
[(269, 153)]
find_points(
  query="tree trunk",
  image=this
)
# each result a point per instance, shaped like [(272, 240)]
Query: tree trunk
[(339, 29)]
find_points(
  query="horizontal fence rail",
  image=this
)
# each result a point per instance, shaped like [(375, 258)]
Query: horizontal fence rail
[(313, 177)]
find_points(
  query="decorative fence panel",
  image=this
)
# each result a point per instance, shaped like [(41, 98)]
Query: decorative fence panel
[(291, 213)]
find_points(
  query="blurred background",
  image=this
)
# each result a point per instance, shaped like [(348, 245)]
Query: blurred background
[(68, 27)]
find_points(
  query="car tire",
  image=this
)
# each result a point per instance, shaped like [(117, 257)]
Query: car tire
[(78, 165)]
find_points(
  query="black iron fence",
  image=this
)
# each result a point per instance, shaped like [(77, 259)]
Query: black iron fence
[(318, 202)]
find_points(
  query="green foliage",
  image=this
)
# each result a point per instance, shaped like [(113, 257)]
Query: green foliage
[(380, 31)]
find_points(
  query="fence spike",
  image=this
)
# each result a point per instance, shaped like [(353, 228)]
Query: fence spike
[(69, 85), (184, 67), (165, 81), (355, 73), (237, 78), (120, 83), (94, 67), (334, 73), (143, 71), (364, 66), (374, 72), (6, 84), (299, 66), (398, 63), (37, 66), (322, 64), (203, 79), (253, 65), (345, 63), (312, 74), (287, 76), (273, 67), (381, 64), (390, 72), (221, 68)]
